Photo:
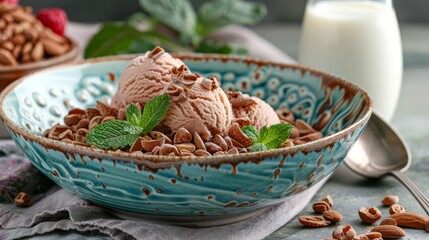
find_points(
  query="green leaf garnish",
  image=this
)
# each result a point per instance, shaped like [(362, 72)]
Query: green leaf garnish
[(215, 14), (268, 138), (134, 115), (116, 134), (277, 134), (257, 147), (113, 134), (154, 111), (252, 133), (177, 14)]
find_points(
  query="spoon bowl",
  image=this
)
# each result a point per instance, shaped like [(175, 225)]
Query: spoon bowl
[(382, 151), (379, 150)]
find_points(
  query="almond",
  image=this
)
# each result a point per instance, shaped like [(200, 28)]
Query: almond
[(106, 110), (389, 200), (396, 208), (389, 231), (235, 133), (329, 200), (370, 215), (53, 48), (389, 221), (23, 200), (6, 58), (8, 45), (313, 221), (344, 233), (321, 207), (186, 146), (148, 145), (411, 220), (27, 48), (333, 216), (37, 52), (373, 235)]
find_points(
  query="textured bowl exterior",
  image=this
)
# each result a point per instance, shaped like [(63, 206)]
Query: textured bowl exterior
[(192, 186)]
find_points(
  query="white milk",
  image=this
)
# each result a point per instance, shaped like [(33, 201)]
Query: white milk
[(360, 41)]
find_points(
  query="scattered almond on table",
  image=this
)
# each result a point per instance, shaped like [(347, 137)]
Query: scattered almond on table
[(389, 228)]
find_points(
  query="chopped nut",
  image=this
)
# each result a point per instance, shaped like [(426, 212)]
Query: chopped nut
[(396, 208), (235, 133), (137, 145), (23, 200), (390, 200), (328, 199), (201, 152), (199, 143), (149, 145), (94, 122), (233, 151), (72, 119), (182, 136), (370, 215), (106, 110), (159, 135), (218, 140), (344, 233), (212, 148), (313, 221), (168, 149), (186, 146), (321, 207)]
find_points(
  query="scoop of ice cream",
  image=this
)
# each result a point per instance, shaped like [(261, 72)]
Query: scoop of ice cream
[(199, 105), (146, 77), (258, 112)]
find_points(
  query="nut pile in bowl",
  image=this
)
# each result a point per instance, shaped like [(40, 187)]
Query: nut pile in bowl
[(24, 39), (162, 108)]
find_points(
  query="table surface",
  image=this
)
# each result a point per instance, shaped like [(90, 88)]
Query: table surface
[(350, 191)]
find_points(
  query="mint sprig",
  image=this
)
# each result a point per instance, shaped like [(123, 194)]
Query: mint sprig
[(268, 138), (116, 134)]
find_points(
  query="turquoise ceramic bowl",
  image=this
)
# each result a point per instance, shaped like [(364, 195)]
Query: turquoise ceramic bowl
[(187, 190)]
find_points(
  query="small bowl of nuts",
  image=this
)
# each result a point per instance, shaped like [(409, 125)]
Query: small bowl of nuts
[(26, 45), (186, 139)]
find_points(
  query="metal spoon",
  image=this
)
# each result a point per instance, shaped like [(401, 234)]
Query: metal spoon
[(381, 151)]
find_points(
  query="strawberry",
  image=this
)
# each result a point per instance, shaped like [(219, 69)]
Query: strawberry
[(53, 18), (11, 2)]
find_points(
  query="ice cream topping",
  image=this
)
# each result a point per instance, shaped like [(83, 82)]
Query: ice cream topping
[(162, 108)]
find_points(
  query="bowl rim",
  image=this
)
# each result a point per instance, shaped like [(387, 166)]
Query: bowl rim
[(156, 160), (71, 54)]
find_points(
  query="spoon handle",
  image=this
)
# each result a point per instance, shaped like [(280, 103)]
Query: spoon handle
[(421, 198)]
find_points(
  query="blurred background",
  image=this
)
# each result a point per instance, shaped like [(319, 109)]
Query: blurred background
[(280, 11)]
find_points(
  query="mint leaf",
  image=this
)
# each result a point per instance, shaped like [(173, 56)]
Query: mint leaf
[(251, 132), (263, 133), (257, 147), (134, 115), (121, 38), (277, 134), (177, 14), (215, 14), (154, 111), (113, 134)]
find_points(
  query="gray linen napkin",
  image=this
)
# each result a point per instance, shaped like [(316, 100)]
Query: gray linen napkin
[(61, 210)]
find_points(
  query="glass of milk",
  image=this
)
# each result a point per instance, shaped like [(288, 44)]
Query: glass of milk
[(358, 40)]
